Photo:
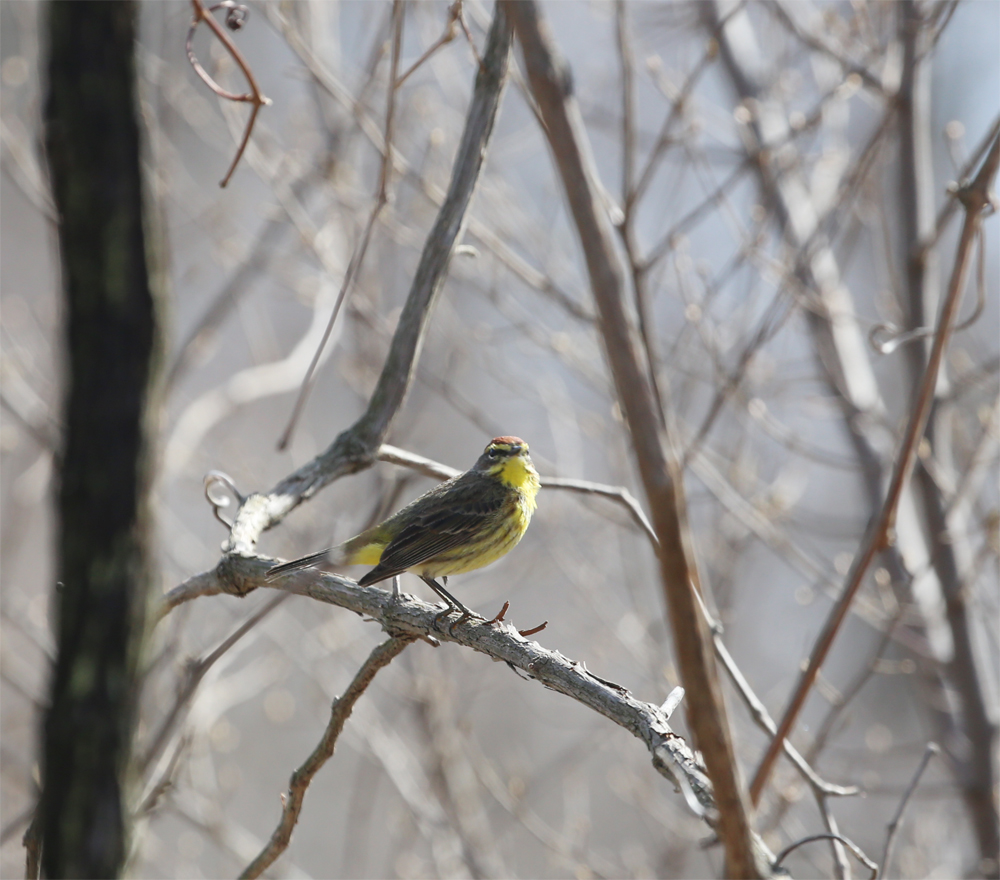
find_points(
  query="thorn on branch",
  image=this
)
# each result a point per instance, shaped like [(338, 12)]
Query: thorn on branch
[(521, 632), (500, 615)]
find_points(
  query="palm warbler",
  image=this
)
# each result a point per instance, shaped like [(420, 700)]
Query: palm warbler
[(460, 525)]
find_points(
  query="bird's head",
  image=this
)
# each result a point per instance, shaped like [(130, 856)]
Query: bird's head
[(508, 459)]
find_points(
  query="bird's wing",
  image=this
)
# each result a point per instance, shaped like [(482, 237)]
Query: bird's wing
[(434, 532)]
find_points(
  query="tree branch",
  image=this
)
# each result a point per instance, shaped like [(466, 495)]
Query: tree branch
[(551, 86), (341, 710), (975, 198), (408, 617), (897, 820), (355, 448)]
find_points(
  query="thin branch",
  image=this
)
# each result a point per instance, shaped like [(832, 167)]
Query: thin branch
[(341, 710), (951, 205), (897, 820), (976, 199), (841, 869), (627, 57), (166, 780), (381, 200), (626, 227), (662, 480), (817, 44), (204, 584), (234, 19), (449, 34), (968, 671), (194, 674), (615, 493), (850, 844), (826, 727), (679, 103), (758, 711)]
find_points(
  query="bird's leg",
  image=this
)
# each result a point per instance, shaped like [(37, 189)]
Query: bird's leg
[(453, 605), (395, 588)]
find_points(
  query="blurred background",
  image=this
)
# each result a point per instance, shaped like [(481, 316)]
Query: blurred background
[(771, 288)]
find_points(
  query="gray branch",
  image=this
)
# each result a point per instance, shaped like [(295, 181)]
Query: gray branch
[(409, 617)]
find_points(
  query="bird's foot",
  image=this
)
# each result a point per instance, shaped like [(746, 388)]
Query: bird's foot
[(464, 615)]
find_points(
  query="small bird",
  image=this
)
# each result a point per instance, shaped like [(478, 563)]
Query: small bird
[(460, 525)]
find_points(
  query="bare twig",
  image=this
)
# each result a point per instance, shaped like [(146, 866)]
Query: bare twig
[(341, 710), (449, 34), (236, 17), (626, 227), (381, 200), (975, 198), (194, 674), (616, 493), (758, 711), (815, 42), (166, 780), (203, 584), (564, 129), (966, 671), (841, 869), (897, 820), (850, 844)]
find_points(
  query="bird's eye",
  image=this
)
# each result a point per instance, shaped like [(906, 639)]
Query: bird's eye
[(493, 452)]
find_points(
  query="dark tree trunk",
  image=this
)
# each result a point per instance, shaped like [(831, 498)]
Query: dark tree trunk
[(93, 143)]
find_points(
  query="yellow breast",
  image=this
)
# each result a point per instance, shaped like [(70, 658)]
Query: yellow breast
[(519, 473)]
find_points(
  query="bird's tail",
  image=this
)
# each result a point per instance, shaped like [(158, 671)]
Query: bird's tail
[(314, 560), (365, 549)]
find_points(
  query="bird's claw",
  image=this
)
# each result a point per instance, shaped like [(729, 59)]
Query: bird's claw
[(464, 615)]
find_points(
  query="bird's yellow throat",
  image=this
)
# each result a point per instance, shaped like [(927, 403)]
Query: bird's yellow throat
[(518, 473)]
